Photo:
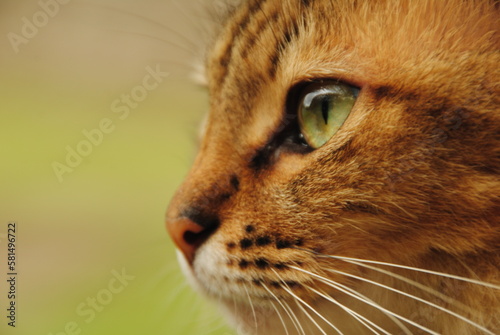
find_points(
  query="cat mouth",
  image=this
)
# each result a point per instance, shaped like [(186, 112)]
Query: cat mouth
[(300, 292), (257, 282)]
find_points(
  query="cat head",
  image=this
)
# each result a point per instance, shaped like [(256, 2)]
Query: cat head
[(342, 131)]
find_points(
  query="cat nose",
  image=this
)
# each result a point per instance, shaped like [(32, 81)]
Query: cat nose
[(189, 235)]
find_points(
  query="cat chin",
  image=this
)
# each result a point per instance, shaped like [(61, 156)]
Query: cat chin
[(188, 271), (258, 320), (263, 315), (246, 320), (202, 267)]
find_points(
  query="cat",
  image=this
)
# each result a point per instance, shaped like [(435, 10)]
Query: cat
[(347, 180)]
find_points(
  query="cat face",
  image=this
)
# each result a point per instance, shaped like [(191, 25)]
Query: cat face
[(343, 135)]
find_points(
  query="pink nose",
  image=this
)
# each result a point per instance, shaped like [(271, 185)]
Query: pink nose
[(187, 235)]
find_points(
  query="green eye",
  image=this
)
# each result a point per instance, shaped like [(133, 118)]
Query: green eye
[(323, 109)]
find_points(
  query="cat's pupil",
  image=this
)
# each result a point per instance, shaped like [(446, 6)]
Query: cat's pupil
[(322, 110), (325, 108)]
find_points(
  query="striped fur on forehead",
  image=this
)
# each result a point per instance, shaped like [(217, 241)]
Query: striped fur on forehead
[(258, 35), (260, 31), (268, 46), (402, 50)]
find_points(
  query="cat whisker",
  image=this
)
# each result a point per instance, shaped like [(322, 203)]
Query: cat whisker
[(281, 318), (276, 309), (420, 286), (150, 21), (458, 316), (344, 289), (296, 323), (288, 311), (169, 273), (298, 299), (435, 273), (148, 36), (189, 67), (361, 319), (251, 306), (310, 317), (235, 304), (391, 317), (202, 31)]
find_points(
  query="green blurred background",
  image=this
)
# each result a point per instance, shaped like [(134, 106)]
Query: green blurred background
[(107, 214)]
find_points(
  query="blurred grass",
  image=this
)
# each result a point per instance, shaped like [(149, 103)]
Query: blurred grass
[(108, 214)]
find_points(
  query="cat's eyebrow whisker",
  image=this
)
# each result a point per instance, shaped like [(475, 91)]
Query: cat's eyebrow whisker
[(189, 16), (171, 63), (152, 22), (361, 319), (298, 299), (443, 309), (276, 309), (435, 273), (344, 289), (167, 42)]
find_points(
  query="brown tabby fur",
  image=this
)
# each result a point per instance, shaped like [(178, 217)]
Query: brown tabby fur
[(411, 178)]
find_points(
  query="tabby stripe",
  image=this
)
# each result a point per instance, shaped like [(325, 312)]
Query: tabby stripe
[(292, 31), (306, 3), (265, 24), (389, 92), (238, 29), (360, 207)]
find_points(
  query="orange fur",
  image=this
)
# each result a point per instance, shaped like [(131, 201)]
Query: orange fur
[(411, 178)]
